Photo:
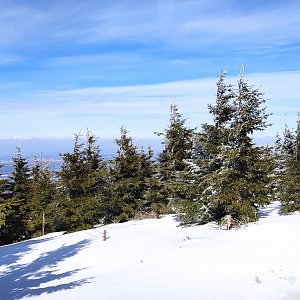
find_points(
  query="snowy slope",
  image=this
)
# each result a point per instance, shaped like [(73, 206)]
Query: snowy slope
[(156, 259)]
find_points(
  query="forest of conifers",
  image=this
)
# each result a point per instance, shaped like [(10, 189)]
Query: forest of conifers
[(202, 175)]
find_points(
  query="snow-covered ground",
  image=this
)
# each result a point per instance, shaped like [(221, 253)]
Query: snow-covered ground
[(156, 259)]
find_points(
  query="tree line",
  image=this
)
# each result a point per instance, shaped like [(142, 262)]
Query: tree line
[(202, 175)]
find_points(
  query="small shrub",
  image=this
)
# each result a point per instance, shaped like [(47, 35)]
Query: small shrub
[(187, 238), (257, 279)]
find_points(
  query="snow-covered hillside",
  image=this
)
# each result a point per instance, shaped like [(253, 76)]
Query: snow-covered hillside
[(156, 259)]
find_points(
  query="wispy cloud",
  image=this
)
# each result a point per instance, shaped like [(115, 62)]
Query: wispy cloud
[(106, 109), (70, 64), (144, 22), (65, 42)]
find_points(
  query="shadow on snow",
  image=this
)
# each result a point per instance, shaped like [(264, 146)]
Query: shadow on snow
[(272, 209), (21, 280), (10, 254)]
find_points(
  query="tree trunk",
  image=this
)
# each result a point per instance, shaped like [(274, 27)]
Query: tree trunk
[(43, 223)]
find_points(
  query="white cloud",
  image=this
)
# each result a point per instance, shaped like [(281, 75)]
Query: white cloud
[(172, 36), (142, 108), (178, 23), (140, 99)]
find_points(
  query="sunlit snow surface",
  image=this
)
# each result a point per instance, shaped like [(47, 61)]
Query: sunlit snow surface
[(156, 259)]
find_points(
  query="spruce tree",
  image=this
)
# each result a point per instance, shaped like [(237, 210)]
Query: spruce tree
[(71, 174), (175, 163), (18, 190), (7, 209), (81, 183), (178, 142), (130, 174), (283, 149), (4, 202), (206, 158), (42, 210), (215, 137), (289, 188), (243, 183), (155, 196)]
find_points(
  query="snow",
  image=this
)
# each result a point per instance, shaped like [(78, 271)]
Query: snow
[(157, 259)]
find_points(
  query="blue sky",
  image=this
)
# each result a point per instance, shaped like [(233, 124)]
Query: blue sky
[(69, 65)]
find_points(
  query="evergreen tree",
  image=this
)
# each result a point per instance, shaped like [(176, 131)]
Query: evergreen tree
[(19, 193), (178, 142), (7, 210), (71, 174), (4, 202), (278, 155), (3, 208), (235, 174), (155, 196), (289, 143), (81, 183), (206, 158), (215, 137), (243, 183), (289, 188), (284, 149), (175, 163), (42, 208), (130, 174), (223, 111)]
